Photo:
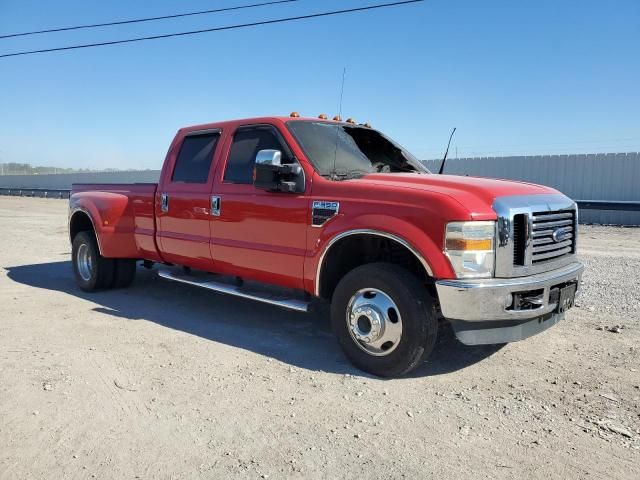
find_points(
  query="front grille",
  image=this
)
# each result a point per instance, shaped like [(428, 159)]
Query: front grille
[(525, 243), (519, 238), (552, 235)]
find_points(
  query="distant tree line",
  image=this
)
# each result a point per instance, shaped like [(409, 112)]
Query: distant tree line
[(26, 169)]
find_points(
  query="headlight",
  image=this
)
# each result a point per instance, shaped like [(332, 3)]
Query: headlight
[(470, 247)]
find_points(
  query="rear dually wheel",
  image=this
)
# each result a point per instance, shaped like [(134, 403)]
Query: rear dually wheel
[(92, 270)]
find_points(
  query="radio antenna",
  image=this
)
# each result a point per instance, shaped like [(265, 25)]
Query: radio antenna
[(447, 152), (335, 151)]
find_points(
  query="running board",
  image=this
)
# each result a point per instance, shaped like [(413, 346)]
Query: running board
[(220, 287)]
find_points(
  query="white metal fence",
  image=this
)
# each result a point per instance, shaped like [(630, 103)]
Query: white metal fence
[(611, 176), (64, 180), (607, 176)]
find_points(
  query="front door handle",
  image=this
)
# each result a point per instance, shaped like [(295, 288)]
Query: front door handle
[(215, 206), (164, 202)]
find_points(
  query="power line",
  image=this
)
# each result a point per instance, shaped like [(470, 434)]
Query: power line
[(148, 19), (216, 29)]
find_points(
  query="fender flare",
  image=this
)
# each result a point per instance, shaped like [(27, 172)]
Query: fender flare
[(364, 231), (81, 210)]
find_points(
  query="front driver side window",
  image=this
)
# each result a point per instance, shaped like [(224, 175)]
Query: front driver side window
[(247, 142)]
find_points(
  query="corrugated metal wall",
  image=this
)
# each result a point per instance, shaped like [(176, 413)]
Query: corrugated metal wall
[(610, 176), (64, 180), (607, 176)]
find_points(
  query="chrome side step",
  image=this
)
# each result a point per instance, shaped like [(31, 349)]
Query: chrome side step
[(220, 287)]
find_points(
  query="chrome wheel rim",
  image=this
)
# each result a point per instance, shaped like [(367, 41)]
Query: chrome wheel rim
[(84, 262), (374, 322)]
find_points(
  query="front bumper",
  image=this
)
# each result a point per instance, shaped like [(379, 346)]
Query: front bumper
[(484, 299), (476, 305)]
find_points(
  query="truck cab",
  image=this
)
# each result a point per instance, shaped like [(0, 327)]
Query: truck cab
[(326, 210)]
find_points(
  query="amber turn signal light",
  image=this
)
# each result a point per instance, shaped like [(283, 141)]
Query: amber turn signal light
[(469, 244)]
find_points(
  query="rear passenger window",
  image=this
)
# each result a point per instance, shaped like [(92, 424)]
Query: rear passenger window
[(247, 142), (194, 160)]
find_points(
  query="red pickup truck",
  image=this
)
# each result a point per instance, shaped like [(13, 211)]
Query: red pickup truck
[(288, 210)]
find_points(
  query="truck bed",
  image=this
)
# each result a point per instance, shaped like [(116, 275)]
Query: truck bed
[(125, 188), (123, 216)]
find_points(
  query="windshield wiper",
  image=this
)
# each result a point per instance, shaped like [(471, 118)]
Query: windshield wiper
[(348, 175)]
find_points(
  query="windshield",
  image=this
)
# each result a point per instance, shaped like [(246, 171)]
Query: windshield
[(340, 150)]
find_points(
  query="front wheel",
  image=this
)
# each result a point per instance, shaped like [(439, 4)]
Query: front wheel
[(384, 319)]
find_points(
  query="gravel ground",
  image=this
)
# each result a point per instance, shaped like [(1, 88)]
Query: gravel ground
[(166, 381)]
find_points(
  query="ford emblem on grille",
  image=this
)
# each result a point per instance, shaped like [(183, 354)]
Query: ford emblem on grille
[(561, 234)]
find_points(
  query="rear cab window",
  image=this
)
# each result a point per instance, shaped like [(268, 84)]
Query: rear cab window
[(193, 163)]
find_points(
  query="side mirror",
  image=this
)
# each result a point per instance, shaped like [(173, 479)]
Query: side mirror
[(270, 174), (269, 157)]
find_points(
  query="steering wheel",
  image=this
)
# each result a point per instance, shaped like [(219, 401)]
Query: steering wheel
[(381, 167)]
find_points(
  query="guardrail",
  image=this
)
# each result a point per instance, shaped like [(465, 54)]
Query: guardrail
[(623, 206), (36, 192)]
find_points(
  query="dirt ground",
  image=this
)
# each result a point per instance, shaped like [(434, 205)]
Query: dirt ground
[(163, 380)]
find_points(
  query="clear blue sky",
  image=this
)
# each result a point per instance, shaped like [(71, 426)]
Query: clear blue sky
[(515, 77)]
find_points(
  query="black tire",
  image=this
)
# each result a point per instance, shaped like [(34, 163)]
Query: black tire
[(101, 273), (418, 318), (124, 273)]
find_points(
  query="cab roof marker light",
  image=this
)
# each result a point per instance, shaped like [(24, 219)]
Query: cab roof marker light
[(294, 115)]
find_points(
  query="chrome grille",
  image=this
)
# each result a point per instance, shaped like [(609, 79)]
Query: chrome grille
[(519, 238), (524, 234), (543, 226)]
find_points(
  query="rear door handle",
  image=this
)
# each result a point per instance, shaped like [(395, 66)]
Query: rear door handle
[(216, 205), (164, 202)]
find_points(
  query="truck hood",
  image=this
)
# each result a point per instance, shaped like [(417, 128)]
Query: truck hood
[(477, 194)]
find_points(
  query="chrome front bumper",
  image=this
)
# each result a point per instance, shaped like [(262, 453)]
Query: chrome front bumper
[(483, 300)]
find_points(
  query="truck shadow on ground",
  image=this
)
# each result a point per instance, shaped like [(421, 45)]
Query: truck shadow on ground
[(302, 340)]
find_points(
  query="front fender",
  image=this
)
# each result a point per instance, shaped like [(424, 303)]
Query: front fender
[(415, 239)]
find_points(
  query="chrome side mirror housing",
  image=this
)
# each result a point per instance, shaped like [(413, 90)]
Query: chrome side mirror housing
[(270, 174), (269, 157)]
